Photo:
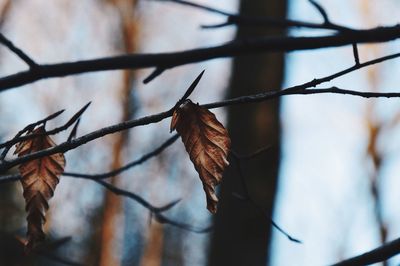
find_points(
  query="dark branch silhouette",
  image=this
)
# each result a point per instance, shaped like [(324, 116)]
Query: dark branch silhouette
[(251, 21), (21, 54), (18, 138), (170, 60), (8, 144), (139, 161), (379, 254)]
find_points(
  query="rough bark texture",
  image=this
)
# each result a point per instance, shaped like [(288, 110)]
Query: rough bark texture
[(242, 234)]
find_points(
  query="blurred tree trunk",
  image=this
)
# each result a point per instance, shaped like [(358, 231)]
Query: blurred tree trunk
[(113, 203), (152, 254), (242, 235), (4, 9), (377, 129)]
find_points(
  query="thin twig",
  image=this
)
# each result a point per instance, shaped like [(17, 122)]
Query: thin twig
[(247, 197), (7, 43), (187, 227), (242, 20), (8, 144), (74, 130), (155, 211), (139, 161), (157, 72), (321, 10), (261, 97), (18, 138)]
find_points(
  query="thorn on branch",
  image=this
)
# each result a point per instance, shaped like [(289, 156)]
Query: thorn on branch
[(71, 121), (355, 53), (74, 130), (189, 90), (22, 55), (157, 72), (379, 254), (321, 10)]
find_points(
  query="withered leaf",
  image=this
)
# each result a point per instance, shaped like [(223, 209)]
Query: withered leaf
[(207, 142), (39, 180)]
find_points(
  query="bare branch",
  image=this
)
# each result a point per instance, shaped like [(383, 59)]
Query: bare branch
[(22, 55), (66, 146), (261, 97), (295, 90), (379, 254), (133, 196), (139, 161), (156, 212), (234, 48), (242, 20)]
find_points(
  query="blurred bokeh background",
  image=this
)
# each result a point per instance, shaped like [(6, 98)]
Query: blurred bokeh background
[(330, 177)]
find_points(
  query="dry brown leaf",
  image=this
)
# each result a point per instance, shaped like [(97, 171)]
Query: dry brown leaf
[(207, 143), (39, 180)]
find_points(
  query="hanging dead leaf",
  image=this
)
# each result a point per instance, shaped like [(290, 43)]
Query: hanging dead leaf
[(207, 143), (39, 180)]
